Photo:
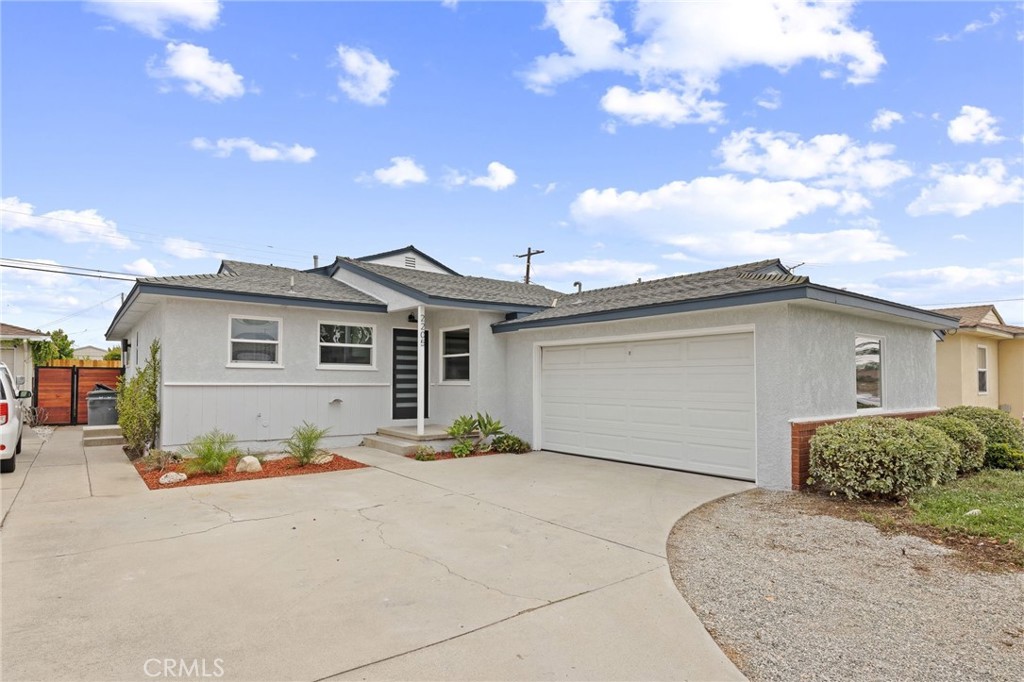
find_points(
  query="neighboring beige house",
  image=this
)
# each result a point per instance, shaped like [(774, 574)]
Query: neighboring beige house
[(982, 363), (90, 353), (16, 353)]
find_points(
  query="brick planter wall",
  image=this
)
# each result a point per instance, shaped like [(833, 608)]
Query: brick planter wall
[(800, 441)]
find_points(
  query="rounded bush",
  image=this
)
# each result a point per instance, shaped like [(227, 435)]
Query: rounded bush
[(998, 426), (966, 435), (506, 442), (880, 457)]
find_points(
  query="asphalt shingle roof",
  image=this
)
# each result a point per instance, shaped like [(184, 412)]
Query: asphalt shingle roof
[(268, 280), (974, 316), (460, 287), (14, 331), (738, 279)]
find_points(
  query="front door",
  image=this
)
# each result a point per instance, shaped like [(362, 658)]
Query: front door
[(403, 400)]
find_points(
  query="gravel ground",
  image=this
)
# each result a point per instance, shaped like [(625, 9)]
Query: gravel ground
[(790, 595)]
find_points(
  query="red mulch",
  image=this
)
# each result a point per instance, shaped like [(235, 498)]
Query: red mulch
[(448, 455), (271, 469)]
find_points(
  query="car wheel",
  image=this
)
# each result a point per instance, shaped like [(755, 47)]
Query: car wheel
[(7, 465)]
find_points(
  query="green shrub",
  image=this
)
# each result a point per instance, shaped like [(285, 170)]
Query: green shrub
[(998, 426), (1004, 456), (304, 444), (462, 427), (488, 428), (209, 453), (506, 442), (138, 406), (966, 435), (880, 457), (463, 448), (425, 453)]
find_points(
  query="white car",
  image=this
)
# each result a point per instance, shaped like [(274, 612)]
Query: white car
[(11, 419)]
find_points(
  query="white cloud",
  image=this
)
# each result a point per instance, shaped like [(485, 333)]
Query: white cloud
[(682, 49), (276, 151), (827, 160), (450, 4), (403, 171), (664, 107), (994, 17), (188, 249), (546, 189), (600, 271), (956, 278), (985, 184), (142, 267), (364, 78), (154, 17), (72, 227), (725, 216), (201, 75), (974, 124), (961, 238), (884, 119), (770, 99), (499, 176)]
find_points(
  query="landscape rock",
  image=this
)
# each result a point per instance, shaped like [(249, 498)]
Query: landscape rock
[(172, 477), (248, 465), (973, 512), (323, 458)]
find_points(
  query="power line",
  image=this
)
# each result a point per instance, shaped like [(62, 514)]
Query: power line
[(68, 267), (126, 278), (75, 314), (951, 305)]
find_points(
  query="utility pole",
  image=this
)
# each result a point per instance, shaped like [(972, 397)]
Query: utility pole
[(529, 253)]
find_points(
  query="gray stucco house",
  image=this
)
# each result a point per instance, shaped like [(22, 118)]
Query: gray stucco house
[(705, 372)]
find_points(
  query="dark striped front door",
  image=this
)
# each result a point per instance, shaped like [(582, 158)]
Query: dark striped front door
[(403, 400)]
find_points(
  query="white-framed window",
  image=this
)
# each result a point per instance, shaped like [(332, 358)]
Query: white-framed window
[(868, 357), (455, 355), (254, 341), (346, 346), (982, 370)]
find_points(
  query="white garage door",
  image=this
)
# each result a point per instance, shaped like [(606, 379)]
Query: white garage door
[(685, 403)]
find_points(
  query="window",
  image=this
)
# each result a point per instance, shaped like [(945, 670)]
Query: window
[(345, 345), (255, 341), (455, 355), (982, 369), (868, 351)]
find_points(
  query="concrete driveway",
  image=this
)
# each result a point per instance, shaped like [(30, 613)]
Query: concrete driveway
[(516, 567)]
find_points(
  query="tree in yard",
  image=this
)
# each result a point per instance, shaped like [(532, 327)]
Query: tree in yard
[(113, 353), (64, 346)]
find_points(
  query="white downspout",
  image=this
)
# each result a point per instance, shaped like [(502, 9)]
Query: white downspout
[(421, 356)]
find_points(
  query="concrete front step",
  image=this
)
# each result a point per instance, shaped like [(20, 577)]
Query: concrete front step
[(95, 441), (101, 435), (405, 446)]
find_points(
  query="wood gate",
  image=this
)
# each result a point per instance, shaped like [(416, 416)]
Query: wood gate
[(61, 392)]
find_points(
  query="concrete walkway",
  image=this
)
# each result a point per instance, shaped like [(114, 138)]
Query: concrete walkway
[(524, 567)]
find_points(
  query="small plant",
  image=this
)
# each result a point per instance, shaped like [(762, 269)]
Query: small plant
[(488, 428), (425, 453), (463, 448), (304, 445), (1004, 456), (158, 460), (966, 435), (138, 406), (880, 457), (462, 427), (209, 453), (506, 442)]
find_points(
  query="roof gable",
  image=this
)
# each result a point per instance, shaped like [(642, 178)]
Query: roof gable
[(409, 257)]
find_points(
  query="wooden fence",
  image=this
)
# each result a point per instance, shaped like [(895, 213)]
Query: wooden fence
[(61, 392), (83, 362)]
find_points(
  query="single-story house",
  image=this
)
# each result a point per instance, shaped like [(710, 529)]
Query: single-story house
[(16, 353), (982, 363), (705, 372), (90, 353)]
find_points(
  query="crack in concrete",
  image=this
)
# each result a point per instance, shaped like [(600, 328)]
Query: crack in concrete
[(231, 517), (383, 540), (513, 616)]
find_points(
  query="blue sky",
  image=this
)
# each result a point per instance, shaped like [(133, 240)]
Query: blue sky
[(880, 145)]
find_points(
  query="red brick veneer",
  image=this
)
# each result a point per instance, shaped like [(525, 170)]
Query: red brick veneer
[(800, 441)]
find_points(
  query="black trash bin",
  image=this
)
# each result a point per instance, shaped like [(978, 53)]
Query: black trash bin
[(102, 402)]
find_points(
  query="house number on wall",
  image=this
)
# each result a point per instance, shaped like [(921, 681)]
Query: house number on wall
[(423, 330)]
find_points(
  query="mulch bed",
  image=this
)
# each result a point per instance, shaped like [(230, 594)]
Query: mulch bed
[(271, 469), (448, 455)]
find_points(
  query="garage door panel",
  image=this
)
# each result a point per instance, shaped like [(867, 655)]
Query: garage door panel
[(683, 403)]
